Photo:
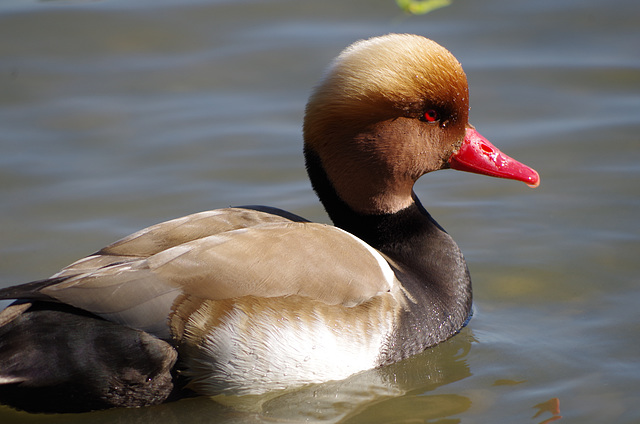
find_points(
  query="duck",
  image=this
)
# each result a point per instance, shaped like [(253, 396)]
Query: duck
[(253, 300)]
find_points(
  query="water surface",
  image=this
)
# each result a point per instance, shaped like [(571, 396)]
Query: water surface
[(116, 115)]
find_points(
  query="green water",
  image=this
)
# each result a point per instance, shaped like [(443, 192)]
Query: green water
[(115, 115)]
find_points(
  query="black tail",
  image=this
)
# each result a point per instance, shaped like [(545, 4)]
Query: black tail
[(30, 291), (56, 358)]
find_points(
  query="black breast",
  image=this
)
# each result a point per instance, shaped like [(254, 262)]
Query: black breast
[(430, 266)]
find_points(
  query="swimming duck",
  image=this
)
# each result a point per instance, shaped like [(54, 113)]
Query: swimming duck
[(250, 300)]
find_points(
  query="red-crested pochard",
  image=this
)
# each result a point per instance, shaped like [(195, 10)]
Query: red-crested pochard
[(254, 299)]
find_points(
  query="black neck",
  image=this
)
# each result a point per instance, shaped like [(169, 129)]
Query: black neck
[(406, 236), (430, 265)]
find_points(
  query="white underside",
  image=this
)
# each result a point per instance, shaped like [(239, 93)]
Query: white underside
[(276, 350)]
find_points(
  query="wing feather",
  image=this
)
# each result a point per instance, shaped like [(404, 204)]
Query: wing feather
[(217, 255)]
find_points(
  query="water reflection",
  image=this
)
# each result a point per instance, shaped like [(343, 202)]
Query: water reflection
[(374, 396), (398, 392), (552, 406)]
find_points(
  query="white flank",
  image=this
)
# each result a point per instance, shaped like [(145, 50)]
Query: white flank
[(276, 349)]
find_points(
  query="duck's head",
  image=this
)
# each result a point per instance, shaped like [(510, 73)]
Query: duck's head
[(389, 110)]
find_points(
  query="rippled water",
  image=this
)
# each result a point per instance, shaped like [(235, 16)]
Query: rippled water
[(115, 115)]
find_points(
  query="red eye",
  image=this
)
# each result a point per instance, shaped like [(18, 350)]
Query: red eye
[(431, 115)]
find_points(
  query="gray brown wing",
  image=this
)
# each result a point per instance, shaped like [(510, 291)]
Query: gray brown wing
[(273, 257)]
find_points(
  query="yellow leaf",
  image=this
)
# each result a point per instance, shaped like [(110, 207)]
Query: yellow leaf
[(420, 7)]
